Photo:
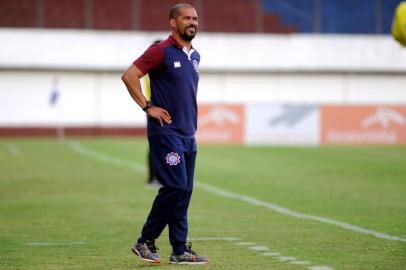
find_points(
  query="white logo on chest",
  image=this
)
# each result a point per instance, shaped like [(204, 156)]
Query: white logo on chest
[(176, 64)]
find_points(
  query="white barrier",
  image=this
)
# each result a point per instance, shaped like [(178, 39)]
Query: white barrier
[(114, 51), (246, 69)]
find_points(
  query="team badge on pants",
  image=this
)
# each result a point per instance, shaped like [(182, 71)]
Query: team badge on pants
[(172, 159)]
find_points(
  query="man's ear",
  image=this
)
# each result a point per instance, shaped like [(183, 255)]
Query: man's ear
[(172, 23)]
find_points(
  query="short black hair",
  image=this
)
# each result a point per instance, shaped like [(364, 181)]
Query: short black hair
[(174, 11)]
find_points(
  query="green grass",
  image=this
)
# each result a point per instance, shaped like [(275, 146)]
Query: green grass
[(91, 211)]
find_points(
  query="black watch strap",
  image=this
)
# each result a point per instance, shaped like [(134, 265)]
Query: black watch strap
[(148, 106)]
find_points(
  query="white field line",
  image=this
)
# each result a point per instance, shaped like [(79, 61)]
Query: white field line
[(85, 151), (288, 212), (299, 262), (236, 196), (13, 149), (259, 248), (273, 254), (245, 244), (44, 244), (264, 250), (319, 268), (287, 259)]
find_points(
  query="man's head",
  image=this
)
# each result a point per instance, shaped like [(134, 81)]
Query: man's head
[(183, 20)]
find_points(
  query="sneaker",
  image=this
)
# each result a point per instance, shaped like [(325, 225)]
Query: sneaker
[(188, 257), (146, 251)]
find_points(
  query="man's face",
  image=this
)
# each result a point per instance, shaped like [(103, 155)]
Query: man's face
[(186, 23)]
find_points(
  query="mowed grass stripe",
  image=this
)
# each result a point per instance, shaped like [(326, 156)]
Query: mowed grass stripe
[(50, 194), (232, 195)]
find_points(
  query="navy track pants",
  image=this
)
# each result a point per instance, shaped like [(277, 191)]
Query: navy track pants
[(173, 159)]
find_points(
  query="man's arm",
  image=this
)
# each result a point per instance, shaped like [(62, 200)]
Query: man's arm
[(131, 79)]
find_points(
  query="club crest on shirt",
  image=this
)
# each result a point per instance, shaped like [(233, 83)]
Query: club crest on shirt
[(173, 159), (196, 65)]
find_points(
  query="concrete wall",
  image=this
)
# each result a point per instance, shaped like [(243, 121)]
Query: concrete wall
[(114, 51), (85, 67)]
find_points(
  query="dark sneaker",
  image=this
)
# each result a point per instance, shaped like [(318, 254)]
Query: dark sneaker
[(147, 252), (188, 257)]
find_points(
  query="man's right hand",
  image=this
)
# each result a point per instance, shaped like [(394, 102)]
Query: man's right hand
[(160, 114)]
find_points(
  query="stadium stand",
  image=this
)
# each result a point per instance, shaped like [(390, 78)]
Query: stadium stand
[(110, 15), (341, 55), (237, 16)]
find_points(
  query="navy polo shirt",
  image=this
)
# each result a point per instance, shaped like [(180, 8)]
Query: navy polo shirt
[(174, 75)]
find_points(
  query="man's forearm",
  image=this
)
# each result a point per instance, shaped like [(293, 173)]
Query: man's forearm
[(134, 88)]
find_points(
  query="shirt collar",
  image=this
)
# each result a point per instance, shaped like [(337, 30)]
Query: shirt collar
[(176, 43)]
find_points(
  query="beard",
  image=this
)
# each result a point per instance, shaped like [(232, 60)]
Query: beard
[(188, 36)]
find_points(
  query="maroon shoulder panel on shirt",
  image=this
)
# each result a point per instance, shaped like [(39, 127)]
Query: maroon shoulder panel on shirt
[(154, 55), (150, 59)]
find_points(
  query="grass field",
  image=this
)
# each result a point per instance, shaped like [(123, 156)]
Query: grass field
[(81, 204)]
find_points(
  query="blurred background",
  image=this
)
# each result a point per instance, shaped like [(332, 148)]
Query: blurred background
[(292, 72)]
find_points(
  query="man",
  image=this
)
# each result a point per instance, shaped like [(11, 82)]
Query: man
[(399, 24), (173, 68)]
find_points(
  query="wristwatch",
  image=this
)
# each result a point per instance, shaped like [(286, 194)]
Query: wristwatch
[(148, 106)]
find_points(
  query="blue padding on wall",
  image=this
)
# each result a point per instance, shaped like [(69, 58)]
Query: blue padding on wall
[(336, 16), (292, 12), (348, 16)]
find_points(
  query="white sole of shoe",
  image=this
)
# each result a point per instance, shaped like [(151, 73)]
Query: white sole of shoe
[(188, 263), (139, 256)]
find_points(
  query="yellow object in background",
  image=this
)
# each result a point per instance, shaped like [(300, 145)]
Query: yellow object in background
[(147, 87), (399, 24)]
